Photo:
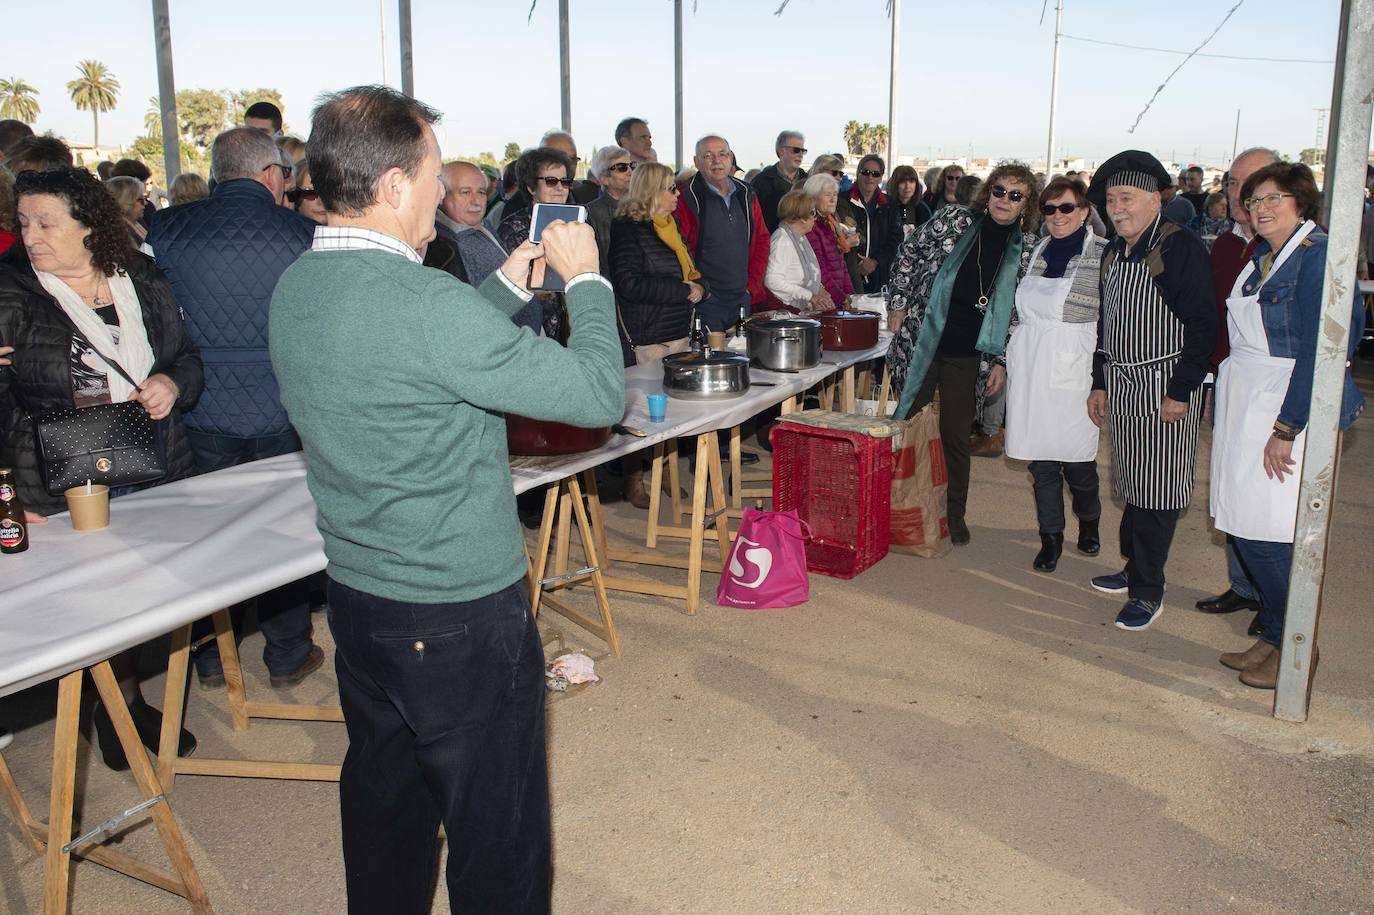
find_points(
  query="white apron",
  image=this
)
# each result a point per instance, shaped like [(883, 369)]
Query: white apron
[(1049, 374), (1251, 385)]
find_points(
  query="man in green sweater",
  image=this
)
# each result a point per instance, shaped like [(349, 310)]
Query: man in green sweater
[(396, 376)]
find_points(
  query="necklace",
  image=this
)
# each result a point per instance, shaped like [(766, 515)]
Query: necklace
[(95, 299), (982, 293)]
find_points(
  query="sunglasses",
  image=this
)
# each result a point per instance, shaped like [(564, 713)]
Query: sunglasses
[(834, 174), (1050, 209), (285, 169), (673, 189), (1014, 196), (621, 167), (799, 150), (302, 193), (870, 173), (949, 178), (551, 181)]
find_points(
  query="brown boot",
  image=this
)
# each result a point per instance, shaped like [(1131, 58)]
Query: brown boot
[(1244, 660), (1265, 674), (636, 492), (986, 445)]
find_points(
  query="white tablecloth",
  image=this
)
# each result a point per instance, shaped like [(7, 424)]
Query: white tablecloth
[(176, 553), (171, 555)]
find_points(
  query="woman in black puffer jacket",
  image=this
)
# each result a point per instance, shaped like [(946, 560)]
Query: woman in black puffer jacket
[(76, 279), (656, 284)]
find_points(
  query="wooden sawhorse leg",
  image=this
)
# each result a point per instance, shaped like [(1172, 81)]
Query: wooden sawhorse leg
[(241, 710), (54, 840), (565, 498)]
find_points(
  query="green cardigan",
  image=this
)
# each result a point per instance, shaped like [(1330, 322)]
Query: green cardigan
[(396, 376)]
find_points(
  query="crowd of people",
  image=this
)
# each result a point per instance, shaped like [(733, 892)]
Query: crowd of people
[(1036, 313)]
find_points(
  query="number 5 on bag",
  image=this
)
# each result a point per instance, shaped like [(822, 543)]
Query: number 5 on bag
[(767, 564)]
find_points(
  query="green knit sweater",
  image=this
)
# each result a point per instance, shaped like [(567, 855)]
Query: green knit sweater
[(396, 376)]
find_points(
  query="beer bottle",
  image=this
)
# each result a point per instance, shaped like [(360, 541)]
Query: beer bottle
[(14, 530)]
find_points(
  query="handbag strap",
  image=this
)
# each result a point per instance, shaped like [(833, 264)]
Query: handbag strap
[(117, 367)]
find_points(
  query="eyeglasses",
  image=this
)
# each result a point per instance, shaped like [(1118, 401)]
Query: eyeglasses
[(870, 173), (1269, 200), (949, 178), (799, 150), (1014, 196), (673, 189), (551, 181), (621, 167), (836, 173), (815, 213), (1050, 209), (285, 170), (302, 193)]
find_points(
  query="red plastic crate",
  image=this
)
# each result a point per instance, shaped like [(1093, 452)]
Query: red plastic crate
[(840, 483)]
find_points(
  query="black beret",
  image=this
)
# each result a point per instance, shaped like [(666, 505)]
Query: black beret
[(1134, 168)]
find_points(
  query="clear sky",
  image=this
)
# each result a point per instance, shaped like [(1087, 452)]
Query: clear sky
[(974, 75)]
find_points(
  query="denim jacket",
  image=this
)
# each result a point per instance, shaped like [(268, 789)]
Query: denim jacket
[(1291, 306)]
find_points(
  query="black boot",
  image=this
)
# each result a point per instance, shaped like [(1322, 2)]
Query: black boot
[(148, 724), (1051, 548), (1089, 543)]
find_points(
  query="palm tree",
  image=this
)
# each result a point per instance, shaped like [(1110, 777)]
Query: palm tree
[(152, 118), (853, 137), (17, 100), (96, 90)]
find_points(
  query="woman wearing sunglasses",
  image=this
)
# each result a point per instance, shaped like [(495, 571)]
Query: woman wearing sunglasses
[(303, 196), (544, 175), (1050, 371), (1263, 398), (951, 297)]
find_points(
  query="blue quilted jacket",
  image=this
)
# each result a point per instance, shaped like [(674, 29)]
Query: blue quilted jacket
[(223, 257)]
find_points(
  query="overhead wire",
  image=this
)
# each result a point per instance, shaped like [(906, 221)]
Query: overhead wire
[(1225, 19), (1137, 47)]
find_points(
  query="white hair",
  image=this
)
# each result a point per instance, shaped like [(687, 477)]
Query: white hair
[(818, 183), (555, 133), (711, 136), (787, 135), (604, 157), (1258, 151)]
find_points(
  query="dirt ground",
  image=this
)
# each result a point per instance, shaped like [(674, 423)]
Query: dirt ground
[(953, 735)]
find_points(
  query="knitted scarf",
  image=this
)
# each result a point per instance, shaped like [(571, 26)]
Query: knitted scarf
[(666, 229)]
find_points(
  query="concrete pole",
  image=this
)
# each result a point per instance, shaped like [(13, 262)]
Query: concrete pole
[(381, 19), (892, 87), (1344, 185), (166, 92), (677, 85), (565, 63), (407, 55), (1054, 86), (1333, 135), (1235, 138)]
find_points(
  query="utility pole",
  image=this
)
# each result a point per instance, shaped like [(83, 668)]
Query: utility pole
[(892, 88), (1054, 85), (1320, 141), (166, 91), (1354, 85), (407, 50), (677, 85), (565, 63), (381, 17), (1235, 137)]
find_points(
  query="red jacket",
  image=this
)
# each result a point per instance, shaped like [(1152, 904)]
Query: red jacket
[(6, 239), (688, 206), (1230, 254)]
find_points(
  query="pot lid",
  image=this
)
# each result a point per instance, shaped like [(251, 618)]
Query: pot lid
[(706, 357), (848, 316), (781, 323)]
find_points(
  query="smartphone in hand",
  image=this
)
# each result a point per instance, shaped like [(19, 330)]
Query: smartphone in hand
[(542, 278)]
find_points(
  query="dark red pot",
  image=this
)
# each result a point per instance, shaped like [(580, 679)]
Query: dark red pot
[(542, 438), (842, 331)]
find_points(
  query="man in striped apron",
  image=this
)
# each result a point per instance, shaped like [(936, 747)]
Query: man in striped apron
[(1156, 331)]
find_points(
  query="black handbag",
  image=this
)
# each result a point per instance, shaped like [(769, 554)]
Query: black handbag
[(116, 444)]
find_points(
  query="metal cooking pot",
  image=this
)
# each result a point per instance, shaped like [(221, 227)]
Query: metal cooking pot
[(845, 331), (708, 375), (785, 344), (541, 438)]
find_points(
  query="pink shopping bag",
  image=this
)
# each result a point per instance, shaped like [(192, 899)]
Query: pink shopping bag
[(767, 565)]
